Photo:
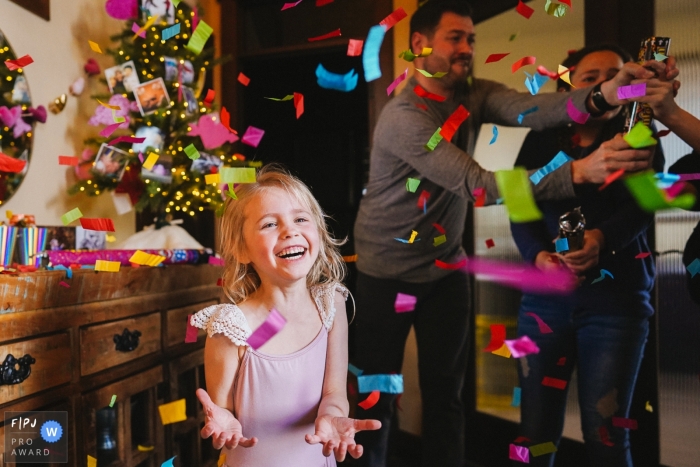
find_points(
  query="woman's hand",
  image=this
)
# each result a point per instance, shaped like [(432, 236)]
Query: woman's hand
[(611, 156), (337, 434), (225, 430), (547, 262), (587, 257)]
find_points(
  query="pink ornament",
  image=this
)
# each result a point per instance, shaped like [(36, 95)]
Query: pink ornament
[(212, 133), (103, 115), (39, 114), (10, 116), (88, 154), (91, 67), (122, 9)]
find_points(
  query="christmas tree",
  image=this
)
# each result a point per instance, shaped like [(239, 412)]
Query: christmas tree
[(157, 93)]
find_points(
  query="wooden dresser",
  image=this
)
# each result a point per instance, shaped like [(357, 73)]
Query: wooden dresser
[(70, 334)]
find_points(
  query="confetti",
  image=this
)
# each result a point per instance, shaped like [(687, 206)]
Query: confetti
[(528, 111), (68, 160), (299, 104), (603, 273), (396, 82), (355, 47), (524, 10), (632, 91), (114, 399), (107, 266), (192, 152), (529, 60), (404, 303), (575, 114), (211, 178), (514, 187), (409, 56), (439, 74), (10, 164), (560, 159), (209, 98), (170, 31), (428, 95), (534, 83), (173, 412), (439, 228), (517, 392), (145, 27), (495, 135), (490, 243), (350, 259), (267, 330), (544, 328), (323, 2), (322, 37), (451, 266), (389, 22), (502, 351), (328, 80), (498, 337), (648, 407), (611, 178), (628, 423), (199, 38), (102, 225), (146, 259), (496, 57), (370, 53), (544, 448), (434, 140), (554, 382), (71, 216), (287, 6), (519, 453), (642, 255), (522, 346), (659, 57), (191, 332), (354, 370), (21, 62), (554, 9), (145, 448), (95, 47), (252, 136), (168, 463), (64, 284), (136, 29), (449, 128), (391, 384), (412, 184), (91, 461), (650, 198), (694, 267), (150, 161), (640, 136), (237, 175), (371, 400), (439, 240)]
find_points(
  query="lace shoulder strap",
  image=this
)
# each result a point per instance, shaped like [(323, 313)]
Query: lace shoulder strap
[(324, 296), (226, 319)]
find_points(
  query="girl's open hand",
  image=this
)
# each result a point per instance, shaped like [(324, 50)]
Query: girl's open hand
[(337, 434), (221, 425)]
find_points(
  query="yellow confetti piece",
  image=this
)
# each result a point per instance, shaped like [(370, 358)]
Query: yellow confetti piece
[(150, 161), (414, 234), (350, 259), (9, 214), (640, 136), (439, 240), (503, 351), (107, 266), (146, 259), (71, 216), (145, 448), (113, 107), (222, 460), (148, 24), (211, 178), (648, 407), (564, 75), (110, 238), (256, 164), (95, 47), (173, 412), (92, 462)]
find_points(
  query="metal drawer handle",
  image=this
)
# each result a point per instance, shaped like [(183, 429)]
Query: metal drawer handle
[(15, 370), (127, 341)]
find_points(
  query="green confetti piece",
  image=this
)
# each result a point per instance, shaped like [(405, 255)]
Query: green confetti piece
[(71, 216), (285, 98), (439, 74), (256, 164), (650, 198), (544, 448), (554, 9), (434, 140), (412, 184), (439, 240), (199, 38), (192, 152), (230, 193), (409, 56), (640, 136), (513, 36), (114, 399), (237, 175), (514, 187)]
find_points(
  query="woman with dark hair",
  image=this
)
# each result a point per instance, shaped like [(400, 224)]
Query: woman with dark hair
[(601, 328)]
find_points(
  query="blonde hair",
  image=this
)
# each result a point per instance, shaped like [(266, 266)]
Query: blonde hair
[(240, 280)]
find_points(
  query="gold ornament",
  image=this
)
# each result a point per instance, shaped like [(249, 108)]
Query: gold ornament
[(58, 104)]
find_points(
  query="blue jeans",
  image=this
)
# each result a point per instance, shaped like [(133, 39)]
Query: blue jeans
[(606, 347)]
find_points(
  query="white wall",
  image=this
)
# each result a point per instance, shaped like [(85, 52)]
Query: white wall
[(59, 48)]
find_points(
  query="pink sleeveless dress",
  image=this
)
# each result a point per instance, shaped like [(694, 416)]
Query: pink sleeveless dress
[(276, 397)]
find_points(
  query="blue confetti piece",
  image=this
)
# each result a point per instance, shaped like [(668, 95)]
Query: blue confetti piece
[(528, 111), (495, 134), (87, 266), (694, 267), (561, 244), (499, 201), (171, 31), (559, 160), (425, 207), (69, 271), (534, 83), (516, 397), (168, 463), (328, 80), (391, 384), (603, 273), (664, 180), (406, 241), (354, 370), (370, 53)]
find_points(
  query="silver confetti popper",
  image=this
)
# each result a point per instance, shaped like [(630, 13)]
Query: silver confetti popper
[(571, 227)]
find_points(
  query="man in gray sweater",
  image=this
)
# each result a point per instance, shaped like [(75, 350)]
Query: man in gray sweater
[(449, 176)]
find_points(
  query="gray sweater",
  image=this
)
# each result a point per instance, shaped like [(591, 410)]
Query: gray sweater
[(388, 211)]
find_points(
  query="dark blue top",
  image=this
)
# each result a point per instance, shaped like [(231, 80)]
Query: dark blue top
[(612, 210)]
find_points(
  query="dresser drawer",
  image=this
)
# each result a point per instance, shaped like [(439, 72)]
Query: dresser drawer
[(52, 355), (98, 350), (176, 320)]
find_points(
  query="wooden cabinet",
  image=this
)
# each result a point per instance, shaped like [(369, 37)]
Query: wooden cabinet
[(79, 364)]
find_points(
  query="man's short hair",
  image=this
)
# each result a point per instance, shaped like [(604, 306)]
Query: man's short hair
[(426, 19), (574, 58)]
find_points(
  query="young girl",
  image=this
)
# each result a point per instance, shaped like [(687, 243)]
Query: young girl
[(275, 405)]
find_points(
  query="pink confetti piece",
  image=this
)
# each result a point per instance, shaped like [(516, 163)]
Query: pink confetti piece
[(252, 136), (544, 328), (335, 33), (675, 189), (126, 139), (405, 303), (191, 333), (519, 453), (686, 177), (355, 47), (621, 422), (213, 260), (109, 129), (521, 347), (632, 91), (396, 82), (267, 330), (136, 29), (522, 276), (642, 255), (575, 114), (64, 284), (287, 6)]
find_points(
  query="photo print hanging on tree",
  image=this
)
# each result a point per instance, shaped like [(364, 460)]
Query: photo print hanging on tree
[(186, 70), (20, 91), (206, 163), (110, 162), (151, 96), (123, 78), (165, 9), (191, 100), (161, 171), (154, 140)]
